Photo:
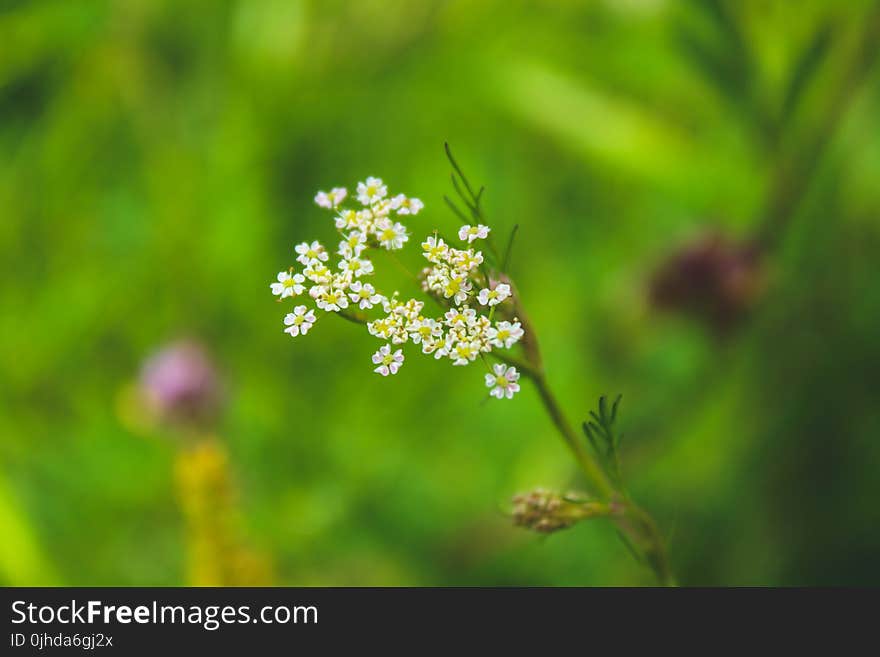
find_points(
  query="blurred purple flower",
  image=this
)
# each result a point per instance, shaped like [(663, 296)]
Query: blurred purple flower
[(181, 385), (714, 279)]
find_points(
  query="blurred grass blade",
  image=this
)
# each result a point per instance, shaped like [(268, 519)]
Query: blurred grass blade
[(22, 562), (505, 263), (804, 70)]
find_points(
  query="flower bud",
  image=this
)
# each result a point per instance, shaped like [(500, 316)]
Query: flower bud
[(546, 512)]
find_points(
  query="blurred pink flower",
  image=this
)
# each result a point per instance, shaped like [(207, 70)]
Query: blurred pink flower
[(181, 385)]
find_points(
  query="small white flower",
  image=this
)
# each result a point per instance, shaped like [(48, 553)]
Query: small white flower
[(424, 330), (332, 198), (381, 208), (471, 233), (299, 321), (353, 244), (460, 317), (371, 191), (464, 352), (391, 328), (391, 235), (458, 288), (319, 273), (405, 205), (364, 295), (311, 253), (435, 249), (408, 309), (387, 361), (347, 219), (494, 296), (466, 261), (430, 345), (332, 300), (355, 267), (505, 334), (444, 348), (503, 381), (380, 328), (288, 285)]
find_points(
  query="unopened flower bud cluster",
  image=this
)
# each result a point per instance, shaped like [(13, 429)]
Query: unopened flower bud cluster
[(455, 277), (546, 512)]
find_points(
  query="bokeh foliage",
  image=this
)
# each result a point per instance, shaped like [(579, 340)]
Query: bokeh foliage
[(157, 164)]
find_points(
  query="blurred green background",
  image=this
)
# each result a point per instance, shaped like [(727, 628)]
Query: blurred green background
[(158, 162)]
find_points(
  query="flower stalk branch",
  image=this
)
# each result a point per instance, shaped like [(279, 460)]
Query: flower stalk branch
[(636, 526)]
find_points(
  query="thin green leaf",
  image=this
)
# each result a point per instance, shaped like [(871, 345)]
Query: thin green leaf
[(630, 547), (614, 408), (804, 70), (505, 263), (459, 171), (454, 208)]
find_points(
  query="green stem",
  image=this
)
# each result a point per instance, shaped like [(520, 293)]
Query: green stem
[(595, 476), (636, 525)]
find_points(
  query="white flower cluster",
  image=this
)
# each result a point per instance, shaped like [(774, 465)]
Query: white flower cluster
[(456, 278)]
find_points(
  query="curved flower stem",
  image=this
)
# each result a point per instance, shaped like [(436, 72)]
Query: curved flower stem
[(598, 481), (637, 527)]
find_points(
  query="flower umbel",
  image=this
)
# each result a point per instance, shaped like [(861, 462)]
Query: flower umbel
[(462, 285), (456, 279)]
